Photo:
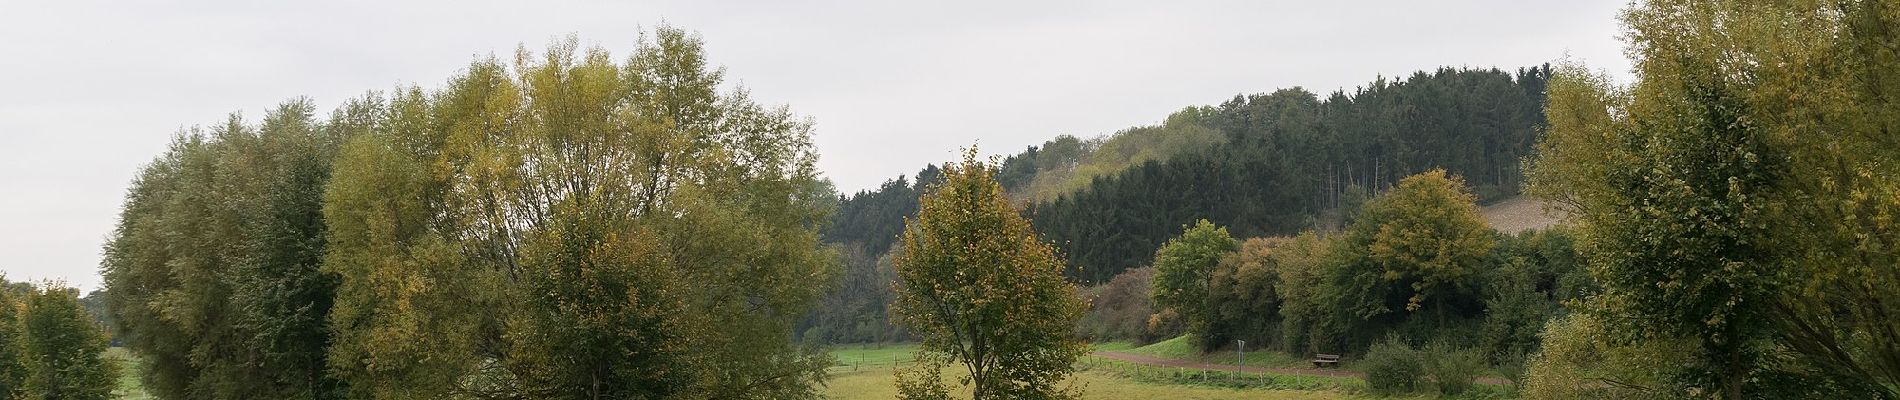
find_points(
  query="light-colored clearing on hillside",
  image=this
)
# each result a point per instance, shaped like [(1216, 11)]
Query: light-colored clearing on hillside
[(1518, 214)]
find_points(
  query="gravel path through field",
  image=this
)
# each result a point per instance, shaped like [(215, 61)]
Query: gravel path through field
[(1169, 362)]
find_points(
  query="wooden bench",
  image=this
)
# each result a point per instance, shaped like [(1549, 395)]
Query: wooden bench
[(1325, 360)]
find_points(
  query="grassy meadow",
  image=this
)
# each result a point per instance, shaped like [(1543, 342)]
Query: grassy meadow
[(128, 384), (867, 372), (1182, 348)]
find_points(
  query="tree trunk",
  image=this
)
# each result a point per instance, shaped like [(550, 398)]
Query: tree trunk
[(1438, 302)]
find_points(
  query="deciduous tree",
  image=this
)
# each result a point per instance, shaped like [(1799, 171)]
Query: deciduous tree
[(984, 293), (1184, 270), (1740, 193), (64, 350), (12, 352), (213, 275), (567, 227), (1422, 244)]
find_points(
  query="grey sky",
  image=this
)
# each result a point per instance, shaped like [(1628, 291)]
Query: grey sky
[(90, 91)]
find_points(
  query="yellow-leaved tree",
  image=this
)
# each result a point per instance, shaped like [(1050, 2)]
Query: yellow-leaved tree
[(1741, 194), (983, 292)]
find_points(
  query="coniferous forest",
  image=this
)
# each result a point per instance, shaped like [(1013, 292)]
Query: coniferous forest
[(574, 224)]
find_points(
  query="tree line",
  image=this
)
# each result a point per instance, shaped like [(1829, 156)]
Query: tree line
[(1416, 264), (556, 225)]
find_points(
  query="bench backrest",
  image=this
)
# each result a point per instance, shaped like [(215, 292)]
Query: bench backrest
[(1328, 356)]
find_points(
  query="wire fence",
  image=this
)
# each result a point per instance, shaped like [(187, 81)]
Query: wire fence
[(1221, 378), (863, 363)]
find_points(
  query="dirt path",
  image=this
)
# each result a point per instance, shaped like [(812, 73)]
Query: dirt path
[(1169, 362)]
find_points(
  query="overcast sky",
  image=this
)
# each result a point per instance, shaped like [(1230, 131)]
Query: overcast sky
[(90, 91)]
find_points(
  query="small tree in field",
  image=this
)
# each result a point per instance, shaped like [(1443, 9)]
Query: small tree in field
[(64, 350), (984, 292)]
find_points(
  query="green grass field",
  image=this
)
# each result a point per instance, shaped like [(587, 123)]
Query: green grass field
[(129, 387), (1096, 385), (1182, 348), (866, 372)]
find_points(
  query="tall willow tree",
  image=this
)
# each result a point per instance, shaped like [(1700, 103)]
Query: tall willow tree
[(1742, 194), (212, 274), (568, 227)]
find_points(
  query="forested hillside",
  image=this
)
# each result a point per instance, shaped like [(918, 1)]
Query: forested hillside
[(1262, 164), (1291, 157)]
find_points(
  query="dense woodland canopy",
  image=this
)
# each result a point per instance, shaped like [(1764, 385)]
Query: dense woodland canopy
[(566, 225), (558, 226)]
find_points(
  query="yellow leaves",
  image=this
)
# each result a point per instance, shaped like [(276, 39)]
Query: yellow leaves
[(990, 281)]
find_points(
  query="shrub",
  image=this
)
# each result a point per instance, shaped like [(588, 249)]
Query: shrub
[(1392, 367), (1119, 309), (1163, 325), (1514, 366), (1579, 360), (1452, 368)]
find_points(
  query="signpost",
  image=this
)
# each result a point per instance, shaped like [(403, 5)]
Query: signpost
[(1240, 353)]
